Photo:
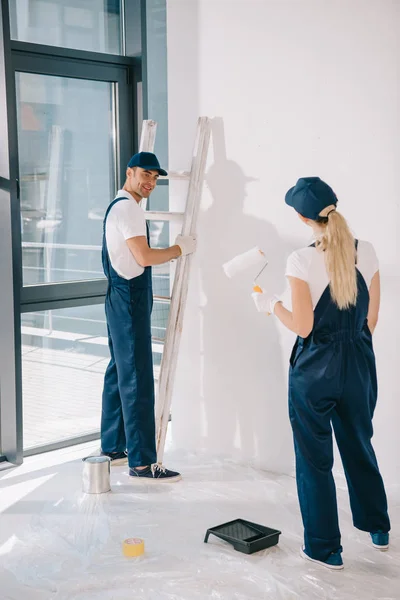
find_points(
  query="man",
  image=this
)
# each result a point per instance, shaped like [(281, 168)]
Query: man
[(128, 423)]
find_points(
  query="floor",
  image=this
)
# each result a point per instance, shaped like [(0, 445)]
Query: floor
[(58, 543)]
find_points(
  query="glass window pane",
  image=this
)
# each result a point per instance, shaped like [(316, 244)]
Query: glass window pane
[(159, 234), (93, 25), (162, 280), (66, 139), (159, 199), (159, 319), (160, 238), (64, 358)]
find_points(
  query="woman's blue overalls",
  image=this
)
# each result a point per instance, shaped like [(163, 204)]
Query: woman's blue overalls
[(127, 420), (332, 381)]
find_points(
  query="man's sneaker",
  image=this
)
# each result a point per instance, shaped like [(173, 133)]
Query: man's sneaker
[(117, 458), (334, 560), (380, 540), (156, 473)]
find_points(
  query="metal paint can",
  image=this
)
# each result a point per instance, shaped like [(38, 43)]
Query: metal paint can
[(96, 474)]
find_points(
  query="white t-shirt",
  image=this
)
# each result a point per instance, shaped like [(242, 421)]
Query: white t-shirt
[(308, 264), (125, 220)]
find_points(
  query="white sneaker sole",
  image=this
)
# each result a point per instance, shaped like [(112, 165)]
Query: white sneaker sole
[(153, 480), (381, 548), (319, 562)]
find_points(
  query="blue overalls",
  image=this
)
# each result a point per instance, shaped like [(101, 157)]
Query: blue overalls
[(332, 380), (127, 420)]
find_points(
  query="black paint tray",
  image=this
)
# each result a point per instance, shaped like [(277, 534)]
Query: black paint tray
[(245, 536)]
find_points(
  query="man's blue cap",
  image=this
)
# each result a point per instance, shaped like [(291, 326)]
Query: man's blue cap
[(310, 196), (148, 161)]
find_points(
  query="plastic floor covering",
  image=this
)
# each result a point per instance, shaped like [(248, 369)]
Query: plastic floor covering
[(58, 543)]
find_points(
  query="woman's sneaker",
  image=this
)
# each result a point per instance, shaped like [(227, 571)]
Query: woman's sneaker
[(334, 560), (380, 540), (156, 473), (117, 458)]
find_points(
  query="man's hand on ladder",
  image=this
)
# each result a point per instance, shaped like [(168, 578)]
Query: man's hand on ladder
[(187, 244)]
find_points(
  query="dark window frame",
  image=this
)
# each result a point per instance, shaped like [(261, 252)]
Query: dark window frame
[(50, 60), (124, 73)]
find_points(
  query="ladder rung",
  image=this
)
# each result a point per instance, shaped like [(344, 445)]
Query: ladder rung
[(157, 348), (165, 299), (177, 175), (152, 215)]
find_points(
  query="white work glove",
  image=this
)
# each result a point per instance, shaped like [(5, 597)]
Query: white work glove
[(187, 244), (264, 302)]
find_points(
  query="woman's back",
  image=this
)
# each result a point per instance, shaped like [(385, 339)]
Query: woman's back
[(308, 264)]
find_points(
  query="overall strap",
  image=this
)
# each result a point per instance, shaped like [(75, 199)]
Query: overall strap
[(325, 300), (107, 266)]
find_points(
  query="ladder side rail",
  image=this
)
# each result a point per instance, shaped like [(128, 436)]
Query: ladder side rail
[(148, 136), (180, 286)]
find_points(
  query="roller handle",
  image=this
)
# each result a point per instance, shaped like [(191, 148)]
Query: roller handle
[(257, 289)]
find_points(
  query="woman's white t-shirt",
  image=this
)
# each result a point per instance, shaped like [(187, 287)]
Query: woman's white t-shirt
[(125, 220), (308, 264)]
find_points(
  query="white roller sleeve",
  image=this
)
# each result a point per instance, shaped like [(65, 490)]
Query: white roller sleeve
[(251, 258)]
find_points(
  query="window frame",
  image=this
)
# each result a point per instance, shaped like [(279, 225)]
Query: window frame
[(48, 60)]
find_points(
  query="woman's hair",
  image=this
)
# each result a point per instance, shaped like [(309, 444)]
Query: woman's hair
[(338, 245)]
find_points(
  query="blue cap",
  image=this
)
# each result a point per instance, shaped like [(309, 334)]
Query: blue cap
[(310, 196), (148, 161)]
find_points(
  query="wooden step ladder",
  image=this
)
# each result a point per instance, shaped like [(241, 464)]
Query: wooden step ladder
[(181, 280)]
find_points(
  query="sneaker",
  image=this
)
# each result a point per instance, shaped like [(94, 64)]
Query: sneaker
[(156, 473), (380, 540), (334, 560), (117, 458)]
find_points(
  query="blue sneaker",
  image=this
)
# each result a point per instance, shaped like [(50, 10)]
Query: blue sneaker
[(155, 474), (333, 562), (117, 458), (380, 540)]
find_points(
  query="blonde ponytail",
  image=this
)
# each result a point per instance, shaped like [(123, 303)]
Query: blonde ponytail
[(338, 245)]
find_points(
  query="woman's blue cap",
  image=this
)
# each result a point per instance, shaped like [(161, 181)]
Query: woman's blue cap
[(148, 161), (310, 196)]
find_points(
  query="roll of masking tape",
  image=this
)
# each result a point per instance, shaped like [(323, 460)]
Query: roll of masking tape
[(133, 547)]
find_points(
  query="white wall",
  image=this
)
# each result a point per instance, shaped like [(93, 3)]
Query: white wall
[(297, 88)]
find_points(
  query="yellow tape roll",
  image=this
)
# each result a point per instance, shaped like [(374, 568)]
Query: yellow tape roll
[(133, 547)]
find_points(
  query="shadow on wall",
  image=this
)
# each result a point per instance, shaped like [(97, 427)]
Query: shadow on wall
[(243, 379)]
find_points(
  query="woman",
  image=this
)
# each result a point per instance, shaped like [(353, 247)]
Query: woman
[(335, 292)]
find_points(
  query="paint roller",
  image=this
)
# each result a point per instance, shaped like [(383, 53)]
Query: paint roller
[(251, 258)]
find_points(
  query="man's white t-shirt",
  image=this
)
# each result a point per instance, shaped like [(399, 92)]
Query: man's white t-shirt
[(308, 264), (125, 220)]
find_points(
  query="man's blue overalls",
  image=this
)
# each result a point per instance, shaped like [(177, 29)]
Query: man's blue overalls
[(127, 421), (332, 379)]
